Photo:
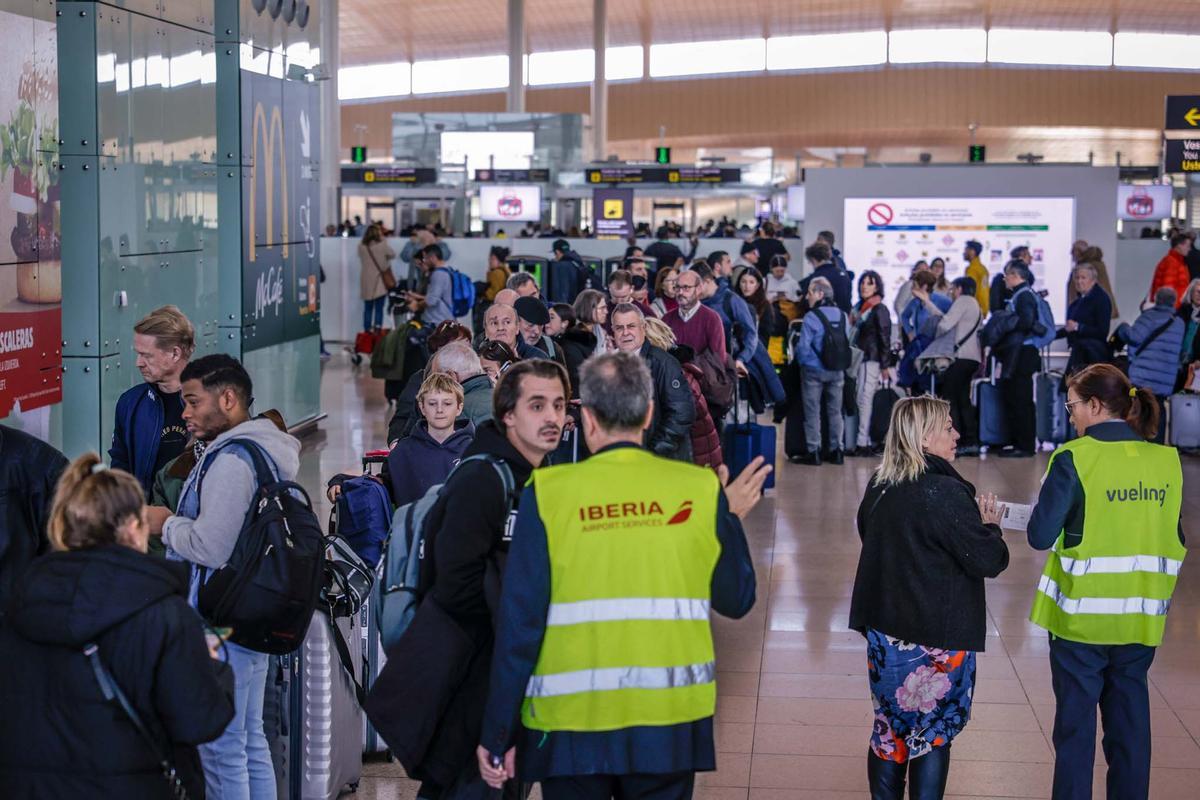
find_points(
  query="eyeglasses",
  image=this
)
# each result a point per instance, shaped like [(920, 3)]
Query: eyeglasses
[(1070, 403)]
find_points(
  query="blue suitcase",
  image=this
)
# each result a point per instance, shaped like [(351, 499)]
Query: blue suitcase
[(743, 441), (993, 424)]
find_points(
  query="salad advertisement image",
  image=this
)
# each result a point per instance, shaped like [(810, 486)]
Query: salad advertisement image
[(30, 229)]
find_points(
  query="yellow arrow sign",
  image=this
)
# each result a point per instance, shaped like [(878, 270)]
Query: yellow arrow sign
[(1192, 117)]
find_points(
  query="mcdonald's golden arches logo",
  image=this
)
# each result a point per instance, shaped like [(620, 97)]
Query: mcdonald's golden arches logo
[(272, 136)]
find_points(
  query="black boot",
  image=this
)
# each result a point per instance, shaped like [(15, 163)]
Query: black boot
[(812, 458), (885, 778), (835, 457), (927, 774)]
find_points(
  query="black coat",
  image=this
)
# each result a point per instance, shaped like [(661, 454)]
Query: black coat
[(874, 337), (578, 344), (428, 701), (406, 416), (670, 433), (58, 736), (925, 553), (29, 470), (1089, 344), (838, 278)]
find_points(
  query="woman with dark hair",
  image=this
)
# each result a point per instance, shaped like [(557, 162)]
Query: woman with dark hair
[(577, 341), (938, 268), (928, 543), (591, 312), (496, 357), (497, 272), (664, 291), (772, 325), (872, 333), (1109, 507)]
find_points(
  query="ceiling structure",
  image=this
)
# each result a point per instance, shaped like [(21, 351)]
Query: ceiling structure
[(418, 30)]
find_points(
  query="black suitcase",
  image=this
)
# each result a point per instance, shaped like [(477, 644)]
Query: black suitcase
[(881, 412)]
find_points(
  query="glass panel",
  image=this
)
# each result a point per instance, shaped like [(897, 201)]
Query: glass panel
[(706, 58), (148, 74), (113, 98), (824, 51), (189, 104), (1069, 48)]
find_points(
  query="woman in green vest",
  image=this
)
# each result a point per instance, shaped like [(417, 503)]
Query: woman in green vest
[(1109, 507)]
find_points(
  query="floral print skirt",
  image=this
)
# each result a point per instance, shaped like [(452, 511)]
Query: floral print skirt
[(922, 695)]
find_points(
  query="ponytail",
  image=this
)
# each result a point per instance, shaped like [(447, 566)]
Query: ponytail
[(1143, 412), (91, 503), (1136, 405)]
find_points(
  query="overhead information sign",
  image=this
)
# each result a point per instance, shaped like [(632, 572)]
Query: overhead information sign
[(404, 175), (1182, 155), (1183, 113), (512, 176), (667, 175)]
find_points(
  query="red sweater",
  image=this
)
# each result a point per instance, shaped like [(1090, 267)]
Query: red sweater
[(1171, 271), (703, 332)]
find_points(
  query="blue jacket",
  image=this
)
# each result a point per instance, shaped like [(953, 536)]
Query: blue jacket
[(137, 430), (915, 313), (524, 605), (733, 309), (1156, 365), (834, 272), (812, 335)]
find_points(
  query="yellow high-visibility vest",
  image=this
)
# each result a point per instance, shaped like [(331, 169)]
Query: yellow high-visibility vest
[(632, 539)]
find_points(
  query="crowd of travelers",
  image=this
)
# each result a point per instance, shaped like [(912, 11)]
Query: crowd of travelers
[(584, 402)]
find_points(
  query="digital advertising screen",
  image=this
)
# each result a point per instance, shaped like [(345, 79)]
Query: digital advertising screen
[(510, 203), (891, 234), (1150, 203)]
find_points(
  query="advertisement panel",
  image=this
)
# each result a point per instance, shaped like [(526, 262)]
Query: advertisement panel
[(1143, 202), (30, 241), (510, 203), (891, 234), (612, 212), (280, 270)]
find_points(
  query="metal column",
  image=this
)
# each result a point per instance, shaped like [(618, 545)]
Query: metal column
[(331, 117), (600, 80), (516, 56)]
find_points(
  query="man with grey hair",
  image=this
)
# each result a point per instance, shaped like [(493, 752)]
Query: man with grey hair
[(458, 360), (670, 430), (822, 379), (1155, 341), (523, 283), (621, 558)]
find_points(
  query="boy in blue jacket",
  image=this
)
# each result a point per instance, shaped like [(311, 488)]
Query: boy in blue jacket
[(425, 457)]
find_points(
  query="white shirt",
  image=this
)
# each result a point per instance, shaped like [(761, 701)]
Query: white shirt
[(789, 286)]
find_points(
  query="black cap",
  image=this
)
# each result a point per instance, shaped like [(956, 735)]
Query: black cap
[(560, 246), (532, 310)]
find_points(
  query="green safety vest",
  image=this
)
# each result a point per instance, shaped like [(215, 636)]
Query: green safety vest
[(633, 545), (1115, 587)]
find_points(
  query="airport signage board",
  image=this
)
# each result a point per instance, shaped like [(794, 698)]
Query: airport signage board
[(512, 176), (1182, 113), (1182, 155), (510, 203), (664, 175), (411, 176), (612, 212), (1143, 202)]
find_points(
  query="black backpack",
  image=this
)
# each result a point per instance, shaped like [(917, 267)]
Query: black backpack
[(835, 346), (268, 590)]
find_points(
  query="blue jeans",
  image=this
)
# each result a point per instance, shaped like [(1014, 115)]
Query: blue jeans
[(237, 765), (373, 313), (1113, 677)]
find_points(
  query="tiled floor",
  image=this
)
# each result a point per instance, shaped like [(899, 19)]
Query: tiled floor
[(793, 714)]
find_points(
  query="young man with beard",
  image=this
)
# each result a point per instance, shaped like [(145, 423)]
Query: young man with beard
[(217, 394)]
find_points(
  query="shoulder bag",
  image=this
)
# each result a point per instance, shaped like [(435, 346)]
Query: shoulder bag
[(386, 275)]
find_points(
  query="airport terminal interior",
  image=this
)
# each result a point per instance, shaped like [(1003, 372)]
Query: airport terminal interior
[(327, 189)]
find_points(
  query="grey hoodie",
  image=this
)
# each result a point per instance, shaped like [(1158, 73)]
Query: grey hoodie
[(225, 495)]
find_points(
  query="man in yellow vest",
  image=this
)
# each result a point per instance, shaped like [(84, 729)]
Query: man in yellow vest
[(1110, 508), (603, 678), (977, 272)]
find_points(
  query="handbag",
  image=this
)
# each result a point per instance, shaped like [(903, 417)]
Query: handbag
[(386, 275), (113, 694)]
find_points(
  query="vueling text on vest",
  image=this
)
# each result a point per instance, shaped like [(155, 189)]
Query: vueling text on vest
[(16, 339), (1139, 492)]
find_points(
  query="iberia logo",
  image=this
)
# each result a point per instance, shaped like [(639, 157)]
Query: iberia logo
[(682, 515)]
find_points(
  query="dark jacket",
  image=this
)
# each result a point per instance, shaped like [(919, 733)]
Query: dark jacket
[(686, 747), (739, 321), (999, 294), (137, 431), (838, 278), (477, 404), (59, 738), (428, 700), (477, 399), (1089, 343), (674, 413), (419, 462), (873, 334), (665, 253), (565, 278), (706, 441), (578, 344), (29, 470), (925, 553)]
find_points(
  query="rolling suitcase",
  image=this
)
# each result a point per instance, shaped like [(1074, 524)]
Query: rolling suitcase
[(793, 421), (743, 441), (993, 424), (1052, 424), (371, 646), (1183, 420), (884, 399)]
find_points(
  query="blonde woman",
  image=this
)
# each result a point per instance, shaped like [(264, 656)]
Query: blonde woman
[(927, 544), (97, 609)]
